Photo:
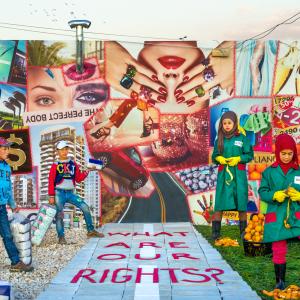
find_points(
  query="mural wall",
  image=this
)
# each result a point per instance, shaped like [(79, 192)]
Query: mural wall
[(150, 112)]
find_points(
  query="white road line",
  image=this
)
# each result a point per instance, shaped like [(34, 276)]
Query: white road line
[(126, 210), (177, 183), (147, 289)]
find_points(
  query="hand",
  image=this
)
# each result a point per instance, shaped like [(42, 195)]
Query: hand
[(233, 161), (16, 209), (118, 59), (279, 196), (293, 194), (91, 168), (221, 160), (223, 69), (52, 200)]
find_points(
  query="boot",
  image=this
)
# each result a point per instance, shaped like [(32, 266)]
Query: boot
[(62, 240), (21, 267), (280, 275), (243, 225), (216, 229), (95, 233)]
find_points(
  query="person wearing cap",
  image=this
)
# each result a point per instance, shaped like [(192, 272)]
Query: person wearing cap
[(6, 198), (63, 176)]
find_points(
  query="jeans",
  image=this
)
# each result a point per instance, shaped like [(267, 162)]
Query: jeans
[(7, 237), (61, 198)]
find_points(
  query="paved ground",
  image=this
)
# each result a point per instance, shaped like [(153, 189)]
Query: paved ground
[(149, 262)]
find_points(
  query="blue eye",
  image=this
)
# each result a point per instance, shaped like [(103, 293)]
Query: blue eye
[(92, 97)]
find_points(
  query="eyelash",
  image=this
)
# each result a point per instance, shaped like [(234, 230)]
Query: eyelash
[(40, 99), (97, 97)]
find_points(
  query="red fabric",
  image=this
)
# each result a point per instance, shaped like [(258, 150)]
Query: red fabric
[(297, 215), (270, 217), (220, 168), (279, 249), (80, 176), (285, 142), (241, 167), (51, 180)]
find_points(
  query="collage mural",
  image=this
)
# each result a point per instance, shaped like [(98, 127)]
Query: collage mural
[(150, 112)]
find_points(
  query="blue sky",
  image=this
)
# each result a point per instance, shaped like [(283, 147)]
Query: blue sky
[(196, 19)]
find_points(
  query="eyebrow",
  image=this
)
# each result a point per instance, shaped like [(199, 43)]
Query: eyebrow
[(89, 86), (48, 88)]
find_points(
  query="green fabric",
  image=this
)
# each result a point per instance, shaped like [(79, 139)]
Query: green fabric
[(259, 122), (273, 179), (233, 196)]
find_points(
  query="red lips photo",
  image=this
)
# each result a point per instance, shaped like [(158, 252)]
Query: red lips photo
[(91, 72)]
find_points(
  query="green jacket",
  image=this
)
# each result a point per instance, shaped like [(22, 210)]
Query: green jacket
[(273, 179), (233, 196)]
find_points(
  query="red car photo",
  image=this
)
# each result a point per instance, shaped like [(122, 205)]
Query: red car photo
[(127, 163)]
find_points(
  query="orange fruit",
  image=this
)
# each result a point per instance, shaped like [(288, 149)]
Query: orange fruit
[(255, 218), (260, 167), (253, 231), (247, 236), (251, 167), (258, 228), (254, 175), (247, 230), (261, 216)]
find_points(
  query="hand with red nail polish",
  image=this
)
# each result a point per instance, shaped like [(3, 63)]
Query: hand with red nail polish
[(118, 60)]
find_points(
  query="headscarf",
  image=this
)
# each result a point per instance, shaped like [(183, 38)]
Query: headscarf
[(285, 142), (224, 134)]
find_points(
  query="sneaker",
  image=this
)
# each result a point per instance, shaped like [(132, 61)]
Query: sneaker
[(95, 233), (21, 267), (62, 240)]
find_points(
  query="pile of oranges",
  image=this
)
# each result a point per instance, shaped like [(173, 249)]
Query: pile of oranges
[(291, 292), (255, 171), (255, 228)]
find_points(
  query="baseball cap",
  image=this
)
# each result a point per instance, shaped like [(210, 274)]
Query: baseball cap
[(4, 142), (62, 144)]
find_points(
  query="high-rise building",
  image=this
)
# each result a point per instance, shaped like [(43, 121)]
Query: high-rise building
[(93, 194), (48, 154), (23, 192)]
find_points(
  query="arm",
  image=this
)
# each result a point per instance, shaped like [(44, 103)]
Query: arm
[(265, 192), (215, 153), (51, 181), (247, 151), (80, 176)]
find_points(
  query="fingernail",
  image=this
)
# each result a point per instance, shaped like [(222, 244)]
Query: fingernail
[(154, 77), (190, 102), (162, 98), (185, 78), (162, 90), (177, 93), (151, 102), (181, 99)]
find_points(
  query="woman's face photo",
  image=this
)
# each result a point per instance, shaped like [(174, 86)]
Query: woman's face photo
[(47, 91), (170, 59)]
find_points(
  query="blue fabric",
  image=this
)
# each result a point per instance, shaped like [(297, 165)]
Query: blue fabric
[(68, 196), (5, 185), (243, 74), (7, 237)]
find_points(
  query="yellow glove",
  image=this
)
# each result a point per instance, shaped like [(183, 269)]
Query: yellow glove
[(293, 194), (279, 196), (233, 161), (221, 160), (241, 130)]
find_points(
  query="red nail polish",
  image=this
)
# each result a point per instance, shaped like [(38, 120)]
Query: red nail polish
[(180, 99), (162, 98), (185, 78), (162, 90), (154, 77), (177, 93), (190, 103), (151, 102)]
